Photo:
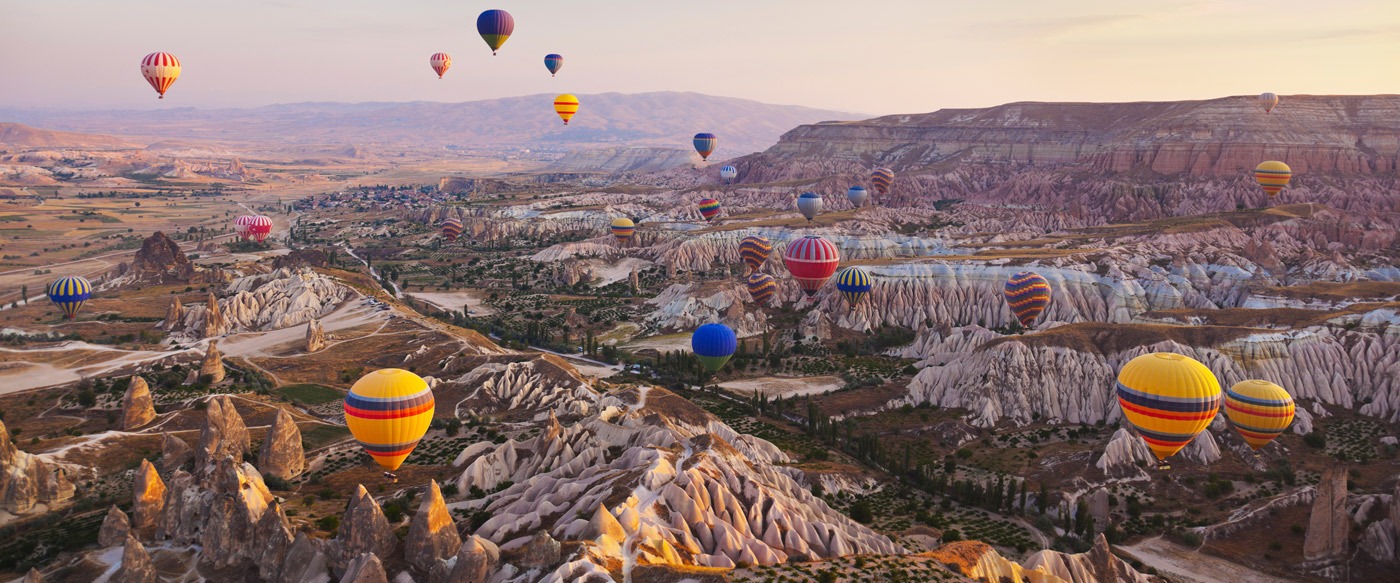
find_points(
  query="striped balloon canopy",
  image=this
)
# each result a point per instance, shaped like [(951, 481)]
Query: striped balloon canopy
[(1028, 294), (1259, 411), (69, 293), (495, 27), (853, 283), (882, 179), (622, 228), (713, 344), (728, 174), (451, 229), (255, 227), (440, 62), (810, 205), (1169, 398), (1272, 176), (160, 70), (705, 144), (566, 105), (554, 63), (388, 411), (754, 250), (1268, 101), (811, 260), (761, 287), (709, 208)]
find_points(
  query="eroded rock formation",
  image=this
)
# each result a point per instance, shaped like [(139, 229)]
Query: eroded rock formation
[(115, 528), (28, 480), (136, 566), (138, 408), (147, 500), (282, 454), (224, 434), (363, 529), (212, 367), (315, 336), (174, 452), (432, 534), (1329, 523)]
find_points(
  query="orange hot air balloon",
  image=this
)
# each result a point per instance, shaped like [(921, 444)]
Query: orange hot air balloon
[(566, 106), (160, 70)]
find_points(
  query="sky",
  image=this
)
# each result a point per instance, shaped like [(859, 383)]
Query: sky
[(866, 56)]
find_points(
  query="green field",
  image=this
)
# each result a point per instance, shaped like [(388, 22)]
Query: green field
[(310, 394), (323, 435)]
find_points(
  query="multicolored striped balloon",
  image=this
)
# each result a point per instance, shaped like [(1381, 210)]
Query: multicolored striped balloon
[(1169, 398), (709, 208), (388, 411), (853, 283), (882, 179), (811, 260), (69, 293), (566, 106), (440, 62), (754, 251), (705, 144), (713, 344), (1268, 101), (1259, 410), (495, 27), (761, 287), (810, 205), (160, 70), (554, 63), (622, 228), (1272, 176), (1028, 294), (451, 229)]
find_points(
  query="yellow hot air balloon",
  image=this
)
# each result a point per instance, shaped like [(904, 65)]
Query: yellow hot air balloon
[(388, 411), (1169, 398), (566, 106), (1272, 176), (1259, 410)]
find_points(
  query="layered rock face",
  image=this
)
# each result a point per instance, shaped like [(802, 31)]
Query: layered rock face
[(984, 564), (224, 433), (28, 480), (315, 336), (1329, 524), (282, 454), (138, 408), (283, 298), (160, 260)]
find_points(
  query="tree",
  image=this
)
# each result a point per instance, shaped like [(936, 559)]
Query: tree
[(1042, 499), (24, 294)]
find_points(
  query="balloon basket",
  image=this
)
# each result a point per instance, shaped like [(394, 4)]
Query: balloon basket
[(1163, 465)]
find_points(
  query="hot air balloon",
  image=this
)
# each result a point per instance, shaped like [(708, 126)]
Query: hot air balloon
[(440, 62), (495, 27), (1169, 398), (566, 106), (811, 260), (857, 195), (1268, 100), (761, 287), (853, 283), (69, 293), (754, 251), (882, 179), (1272, 176), (160, 70), (709, 208), (810, 205), (705, 144), (1028, 294), (451, 229), (554, 63), (622, 228), (1259, 410), (713, 344), (388, 411), (728, 174), (255, 227)]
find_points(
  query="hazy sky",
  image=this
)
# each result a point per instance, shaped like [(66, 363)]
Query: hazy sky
[(867, 56)]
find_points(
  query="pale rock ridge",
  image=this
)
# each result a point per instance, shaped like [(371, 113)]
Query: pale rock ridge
[(684, 306), (305, 561), (115, 528), (220, 511), (518, 384), (138, 408), (136, 566), (224, 434), (269, 301), (33, 576), (475, 562), (29, 480), (281, 453), (1099, 565), (432, 534), (363, 529)]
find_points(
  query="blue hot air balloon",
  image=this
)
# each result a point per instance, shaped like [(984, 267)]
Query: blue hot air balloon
[(728, 174), (705, 144), (69, 293), (713, 344), (495, 27), (857, 195), (554, 63)]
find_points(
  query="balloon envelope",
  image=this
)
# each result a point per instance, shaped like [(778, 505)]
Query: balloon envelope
[(1169, 398), (1028, 294), (1268, 101), (495, 27), (554, 63), (451, 229), (713, 344), (160, 70), (566, 106), (69, 293), (761, 287), (809, 204), (811, 260), (857, 195), (882, 179), (440, 63), (255, 227), (754, 251), (622, 228), (853, 283), (728, 173), (709, 208), (1273, 176), (388, 411), (1259, 410), (705, 144)]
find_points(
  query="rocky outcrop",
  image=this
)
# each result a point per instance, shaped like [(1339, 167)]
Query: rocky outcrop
[(683, 306), (1329, 524), (305, 562), (220, 510), (136, 566), (211, 369), (160, 260), (283, 298), (315, 336), (366, 568), (173, 315), (115, 528), (174, 453), (147, 500), (432, 534), (273, 537), (363, 529), (214, 323), (33, 576), (282, 454), (138, 408), (224, 434), (29, 481), (476, 562), (1099, 565)]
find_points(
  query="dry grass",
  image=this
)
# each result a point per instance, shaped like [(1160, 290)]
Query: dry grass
[(1102, 338), (1281, 317), (1339, 291)]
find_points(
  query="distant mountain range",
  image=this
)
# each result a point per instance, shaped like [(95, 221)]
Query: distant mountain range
[(664, 119), (20, 136)]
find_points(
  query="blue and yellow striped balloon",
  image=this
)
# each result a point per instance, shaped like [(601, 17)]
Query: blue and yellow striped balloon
[(1169, 398), (69, 293), (1028, 294), (388, 411), (1259, 410), (853, 283), (761, 287)]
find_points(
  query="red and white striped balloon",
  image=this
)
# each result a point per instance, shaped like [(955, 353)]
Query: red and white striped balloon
[(811, 260), (160, 70), (441, 62), (255, 227)]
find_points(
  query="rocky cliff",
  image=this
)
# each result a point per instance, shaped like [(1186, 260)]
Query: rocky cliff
[(281, 454), (268, 301), (28, 481)]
